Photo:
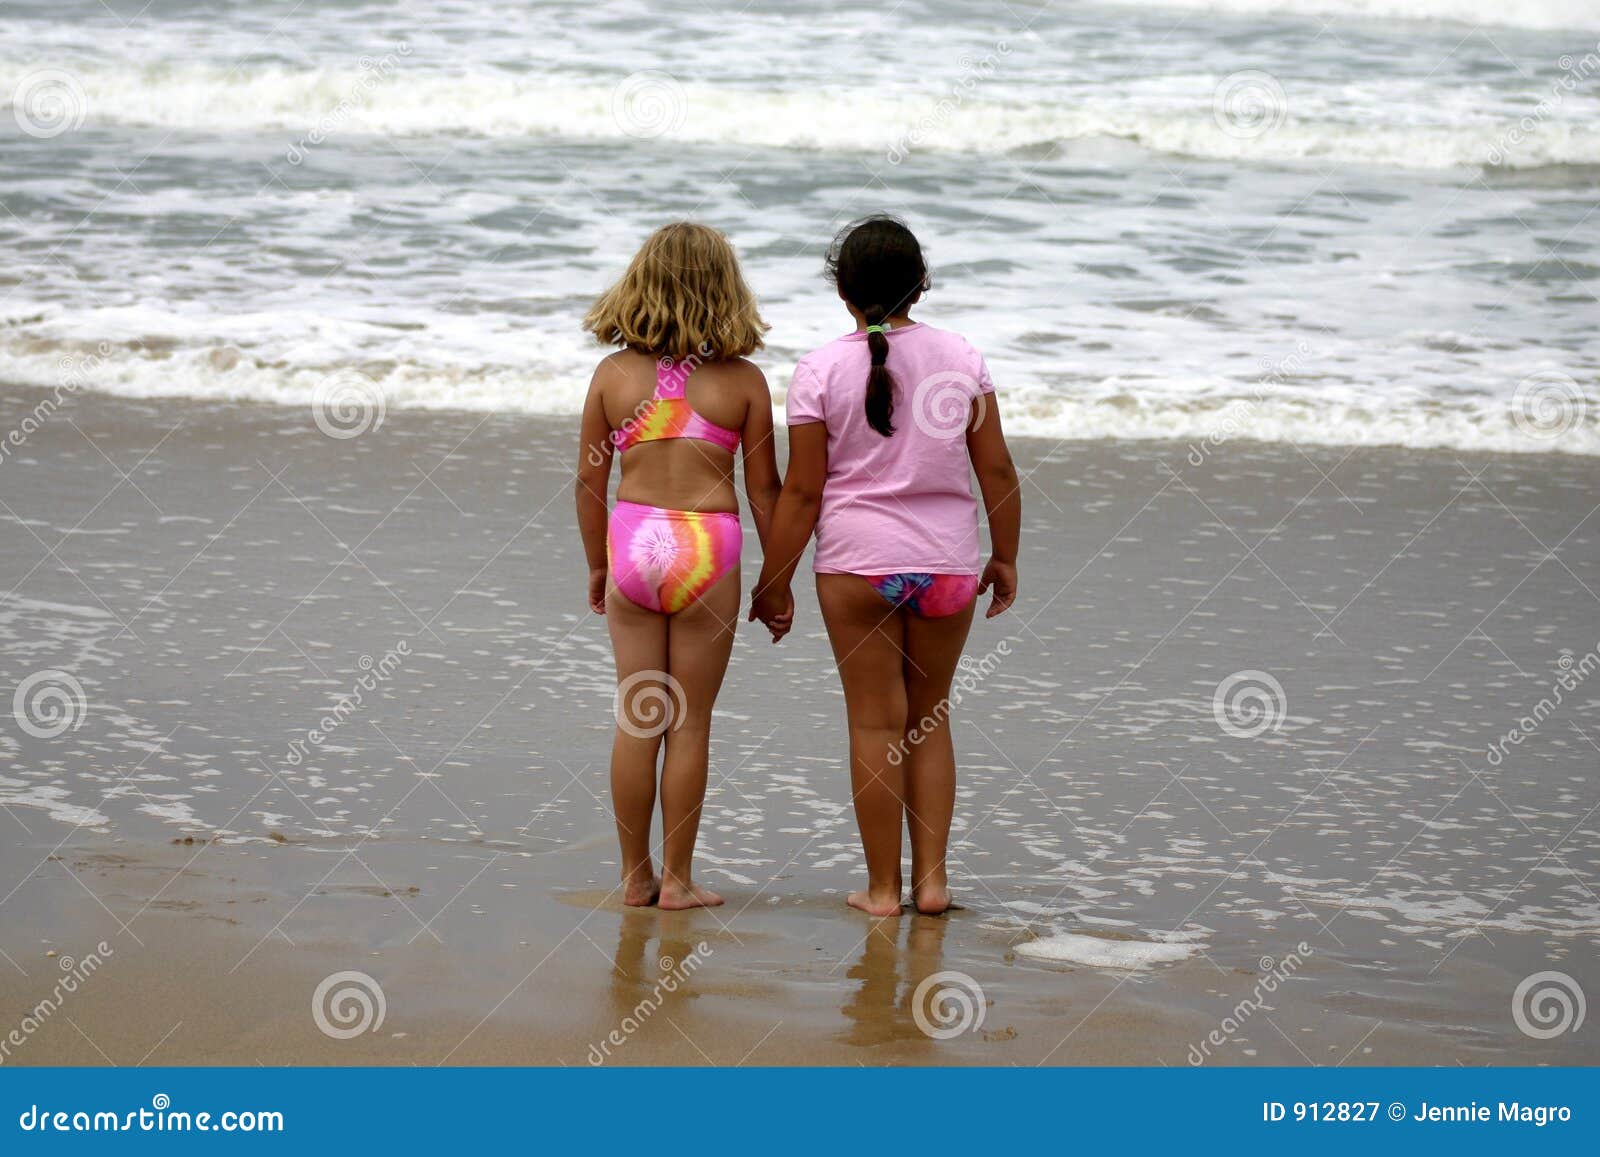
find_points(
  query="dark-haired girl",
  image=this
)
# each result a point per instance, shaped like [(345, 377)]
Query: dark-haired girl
[(886, 426)]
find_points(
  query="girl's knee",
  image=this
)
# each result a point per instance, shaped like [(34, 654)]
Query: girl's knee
[(690, 726), (880, 717), (633, 747), (928, 716)]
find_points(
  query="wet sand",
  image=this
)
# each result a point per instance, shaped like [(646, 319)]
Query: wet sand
[(218, 578)]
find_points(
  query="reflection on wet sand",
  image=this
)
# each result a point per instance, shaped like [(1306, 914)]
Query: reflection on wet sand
[(883, 1006), (647, 987)]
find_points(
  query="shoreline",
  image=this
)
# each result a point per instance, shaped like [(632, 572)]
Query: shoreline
[(1094, 420)]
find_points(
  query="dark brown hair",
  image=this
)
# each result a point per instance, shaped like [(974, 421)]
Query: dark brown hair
[(877, 264)]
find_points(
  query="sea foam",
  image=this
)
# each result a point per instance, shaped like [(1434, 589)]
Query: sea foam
[(1100, 952), (1545, 14), (1204, 421), (303, 104)]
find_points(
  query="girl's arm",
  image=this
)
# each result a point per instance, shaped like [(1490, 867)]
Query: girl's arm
[(595, 452), (761, 482), (1002, 499), (792, 523)]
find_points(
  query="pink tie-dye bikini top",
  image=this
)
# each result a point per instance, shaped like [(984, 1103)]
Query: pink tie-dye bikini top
[(667, 413)]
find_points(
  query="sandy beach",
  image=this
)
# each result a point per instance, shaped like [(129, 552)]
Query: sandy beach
[(1236, 784)]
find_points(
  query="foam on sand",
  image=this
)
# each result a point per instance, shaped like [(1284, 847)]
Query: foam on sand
[(1100, 952)]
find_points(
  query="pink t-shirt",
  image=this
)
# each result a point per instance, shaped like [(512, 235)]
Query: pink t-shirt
[(902, 503)]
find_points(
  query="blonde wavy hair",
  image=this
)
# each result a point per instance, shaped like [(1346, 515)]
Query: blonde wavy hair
[(683, 294)]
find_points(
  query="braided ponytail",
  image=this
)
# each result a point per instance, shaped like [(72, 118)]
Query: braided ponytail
[(878, 267), (880, 384)]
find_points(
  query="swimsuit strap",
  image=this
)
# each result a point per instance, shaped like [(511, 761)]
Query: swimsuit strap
[(674, 417), (672, 379)]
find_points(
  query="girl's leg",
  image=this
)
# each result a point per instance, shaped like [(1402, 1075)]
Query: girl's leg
[(933, 649), (867, 637), (639, 639), (699, 641)]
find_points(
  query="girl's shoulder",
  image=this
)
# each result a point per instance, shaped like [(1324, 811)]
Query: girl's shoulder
[(818, 366), (830, 351), (925, 342), (615, 367), (740, 374), (944, 351), (742, 368), (943, 339)]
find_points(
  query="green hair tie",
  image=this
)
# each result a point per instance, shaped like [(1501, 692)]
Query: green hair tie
[(877, 329)]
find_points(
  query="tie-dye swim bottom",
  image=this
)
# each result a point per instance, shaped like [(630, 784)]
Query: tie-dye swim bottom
[(663, 560), (930, 596)]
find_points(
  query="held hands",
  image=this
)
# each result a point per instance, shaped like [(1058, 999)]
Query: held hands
[(597, 590), (1002, 576), (775, 608)]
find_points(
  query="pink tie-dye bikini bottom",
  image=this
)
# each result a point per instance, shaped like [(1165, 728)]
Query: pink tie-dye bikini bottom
[(663, 560)]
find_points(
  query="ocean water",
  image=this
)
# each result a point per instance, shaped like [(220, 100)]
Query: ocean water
[(1346, 222)]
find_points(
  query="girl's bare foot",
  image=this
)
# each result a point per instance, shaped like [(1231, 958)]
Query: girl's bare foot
[(932, 899), (876, 902), (640, 889), (676, 896)]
